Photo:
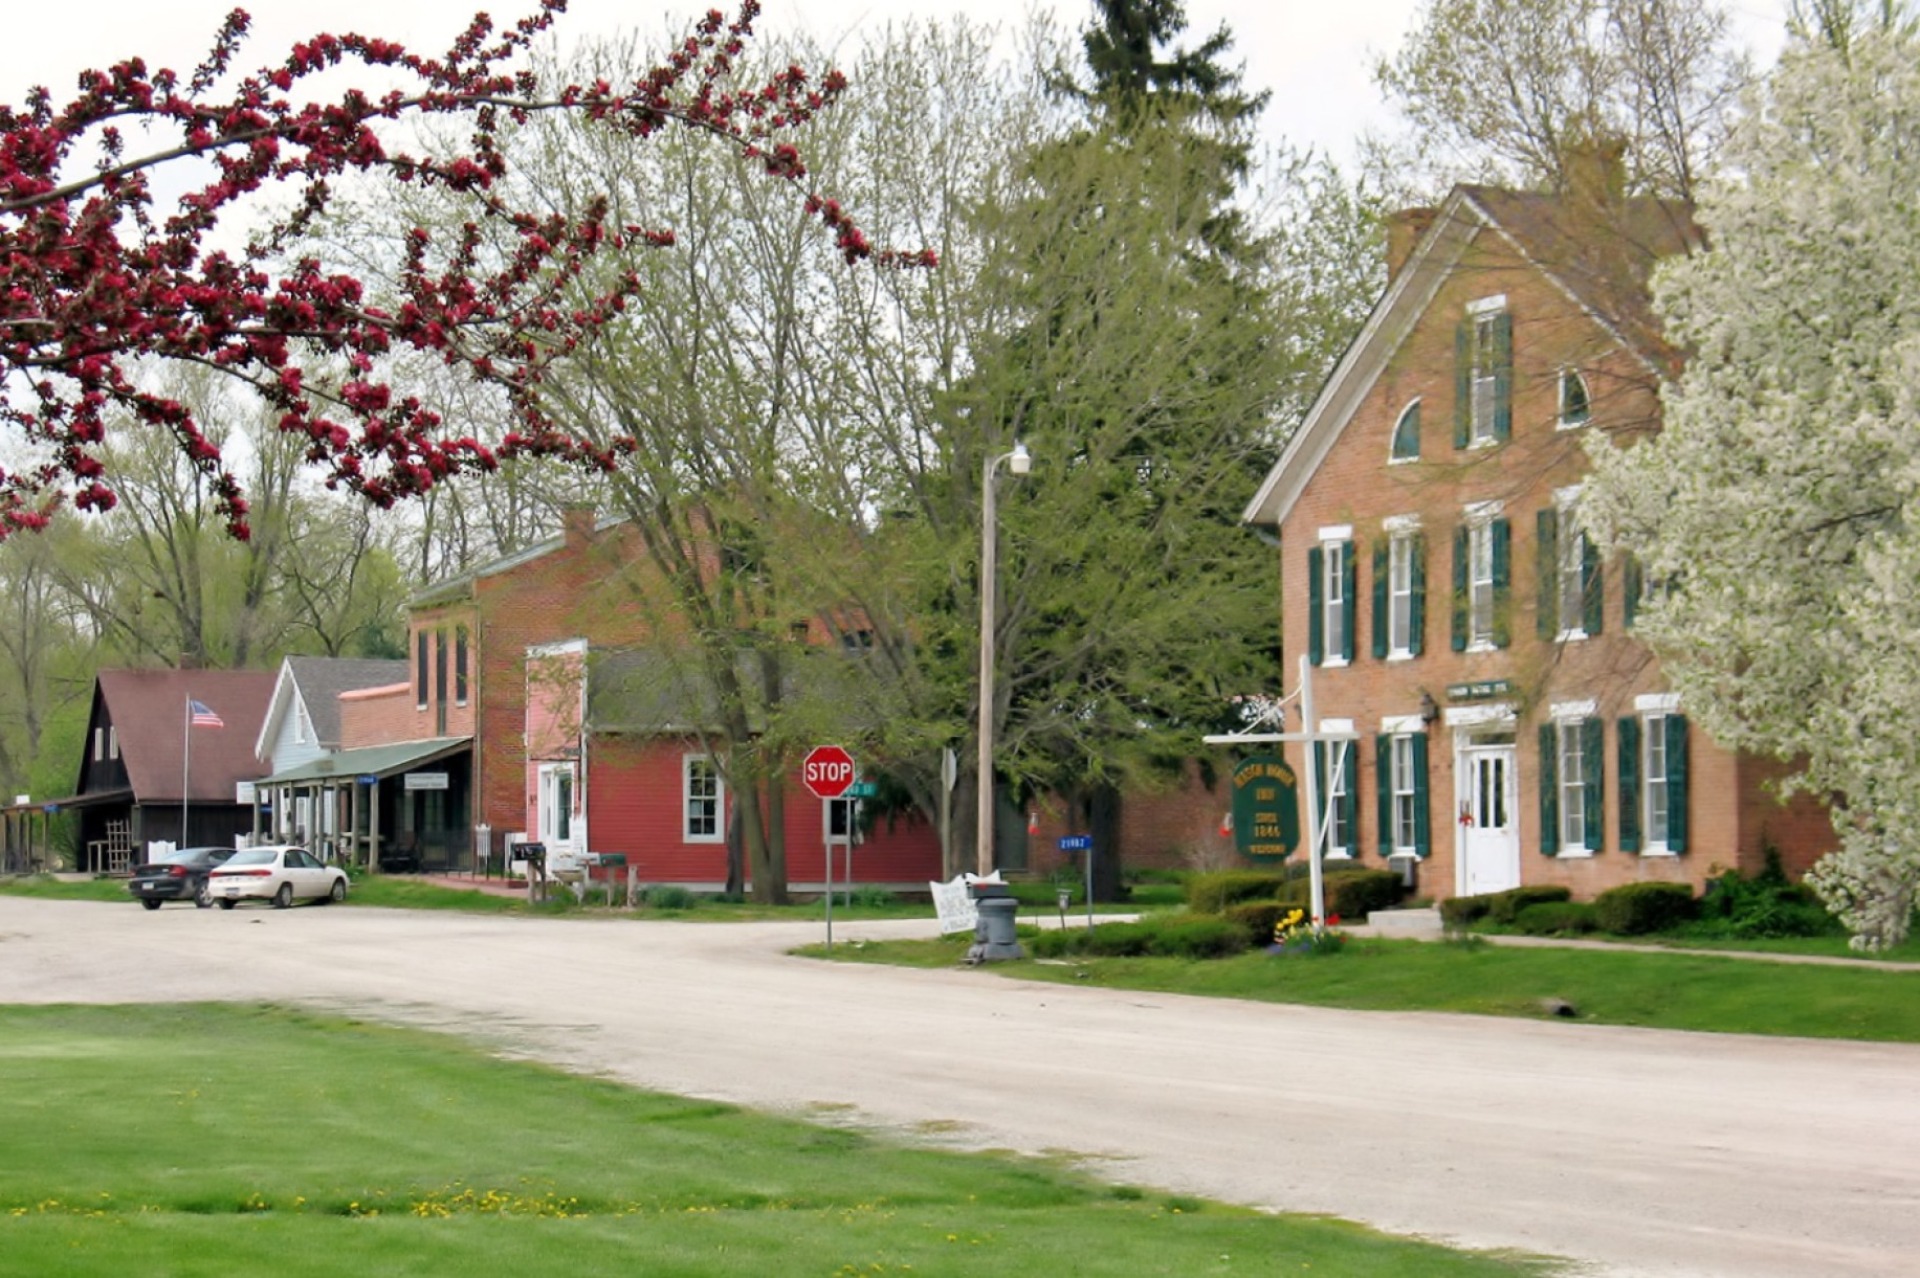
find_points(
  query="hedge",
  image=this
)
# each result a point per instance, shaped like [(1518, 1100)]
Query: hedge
[(1635, 909), (1213, 893)]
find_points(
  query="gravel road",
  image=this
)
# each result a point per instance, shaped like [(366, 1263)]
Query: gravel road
[(1639, 1152)]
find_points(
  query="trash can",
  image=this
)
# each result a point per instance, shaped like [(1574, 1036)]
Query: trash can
[(994, 937)]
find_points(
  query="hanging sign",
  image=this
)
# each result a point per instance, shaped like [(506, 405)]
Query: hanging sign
[(1266, 808)]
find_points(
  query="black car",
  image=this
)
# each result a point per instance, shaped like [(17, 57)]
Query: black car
[(177, 876)]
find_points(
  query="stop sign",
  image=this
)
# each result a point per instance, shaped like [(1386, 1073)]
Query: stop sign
[(828, 771)]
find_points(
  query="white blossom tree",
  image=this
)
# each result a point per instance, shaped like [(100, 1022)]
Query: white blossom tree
[(1779, 508)]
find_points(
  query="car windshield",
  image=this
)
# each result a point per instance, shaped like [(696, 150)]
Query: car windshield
[(254, 856)]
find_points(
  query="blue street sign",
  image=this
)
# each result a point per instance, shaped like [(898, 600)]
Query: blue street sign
[(1076, 843)]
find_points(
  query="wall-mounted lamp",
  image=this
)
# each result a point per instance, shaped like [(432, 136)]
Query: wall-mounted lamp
[(1428, 710)]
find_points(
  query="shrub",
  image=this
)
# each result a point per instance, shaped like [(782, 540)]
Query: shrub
[(669, 897), (1555, 918), (1258, 918), (1504, 907), (1213, 893), (1464, 911), (874, 897), (1636, 909), (1763, 906), (1354, 894), (1178, 936)]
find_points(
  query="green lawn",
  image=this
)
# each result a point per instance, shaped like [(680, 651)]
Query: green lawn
[(204, 1140), (1668, 991)]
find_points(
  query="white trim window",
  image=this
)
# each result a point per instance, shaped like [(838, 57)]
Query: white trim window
[(1576, 404), (1656, 795), (1402, 548), (113, 742), (704, 800), (1482, 586), (1333, 586), (99, 745), (1405, 782), (1572, 771), (1573, 555), (1405, 446)]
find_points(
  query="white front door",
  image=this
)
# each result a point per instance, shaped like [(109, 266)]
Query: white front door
[(556, 811), (1488, 832)]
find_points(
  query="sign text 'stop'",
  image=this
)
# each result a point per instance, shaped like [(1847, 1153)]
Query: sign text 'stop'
[(828, 771)]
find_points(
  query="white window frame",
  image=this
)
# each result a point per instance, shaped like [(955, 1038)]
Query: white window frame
[(99, 744), (1339, 786), (1571, 777), (709, 790), (1482, 382), (1404, 817), (1570, 601), (1334, 602), (1393, 440), (302, 723), (1570, 373), (1482, 596), (1653, 750), (1401, 541)]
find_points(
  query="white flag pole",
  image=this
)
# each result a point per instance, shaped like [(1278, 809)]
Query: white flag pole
[(186, 767)]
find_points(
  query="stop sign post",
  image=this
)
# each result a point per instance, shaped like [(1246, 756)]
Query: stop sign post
[(828, 771)]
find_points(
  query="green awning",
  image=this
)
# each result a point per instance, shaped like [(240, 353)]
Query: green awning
[(370, 761)]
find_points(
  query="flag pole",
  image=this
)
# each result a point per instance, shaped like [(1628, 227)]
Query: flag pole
[(186, 766)]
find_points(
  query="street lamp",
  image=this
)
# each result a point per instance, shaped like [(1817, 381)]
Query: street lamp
[(1019, 461)]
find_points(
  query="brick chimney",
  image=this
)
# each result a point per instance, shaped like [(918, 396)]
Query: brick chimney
[(1404, 230), (577, 523), (1595, 172)]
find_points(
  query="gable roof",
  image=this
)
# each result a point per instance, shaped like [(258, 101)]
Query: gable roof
[(1600, 258), (148, 710), (317, 682)]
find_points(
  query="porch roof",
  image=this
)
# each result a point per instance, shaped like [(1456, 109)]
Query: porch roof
[(376, 761)]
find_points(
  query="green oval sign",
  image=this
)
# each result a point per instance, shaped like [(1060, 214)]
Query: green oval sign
[(1266, 808)]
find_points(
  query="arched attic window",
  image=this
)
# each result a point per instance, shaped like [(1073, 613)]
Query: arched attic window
[(1406, 435), (1575, 404)]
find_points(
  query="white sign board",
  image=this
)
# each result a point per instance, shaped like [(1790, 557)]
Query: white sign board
[(955, 905), (243, 793), (425, 781)]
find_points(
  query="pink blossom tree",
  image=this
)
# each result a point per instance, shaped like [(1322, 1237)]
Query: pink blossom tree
[(95, 281)]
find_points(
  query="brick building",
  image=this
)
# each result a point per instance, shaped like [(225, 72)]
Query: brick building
[(1511, 729)]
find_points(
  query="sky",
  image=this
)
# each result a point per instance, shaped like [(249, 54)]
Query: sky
[(1316, 56)]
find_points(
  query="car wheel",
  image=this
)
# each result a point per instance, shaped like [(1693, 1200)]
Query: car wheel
[(284, 897), (226, 904), (339, 892), (151, 904), (203, 896)]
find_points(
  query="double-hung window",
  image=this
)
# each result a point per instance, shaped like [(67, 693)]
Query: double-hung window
[(1653, 777), (704, 800), (1570, 605), (1339, 789), (1483, 375), (1481, 574), (1400, 787), (1330, 602), (1571, 773), (1399, 590)]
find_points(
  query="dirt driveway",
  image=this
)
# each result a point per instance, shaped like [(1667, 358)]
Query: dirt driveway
[(1639, 1151)]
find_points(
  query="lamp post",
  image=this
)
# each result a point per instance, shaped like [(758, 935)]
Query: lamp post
[(1019, 462)]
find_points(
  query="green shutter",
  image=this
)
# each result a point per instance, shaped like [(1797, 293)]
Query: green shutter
[(1316, 607), (1547, 540), (1631, 587), (1629, 787), (1350, 803), (1593, 746), (1503, 376), (1417, 604), (1462, 547), (1549, 790), (1592, 597), (1382, 597), (1422, 818), (1383, 792), (1349, 615), (1676, 783), (1502, 534), (1463, 384)]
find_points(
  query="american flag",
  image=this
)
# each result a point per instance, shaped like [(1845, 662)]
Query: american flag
[(201, 715)]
